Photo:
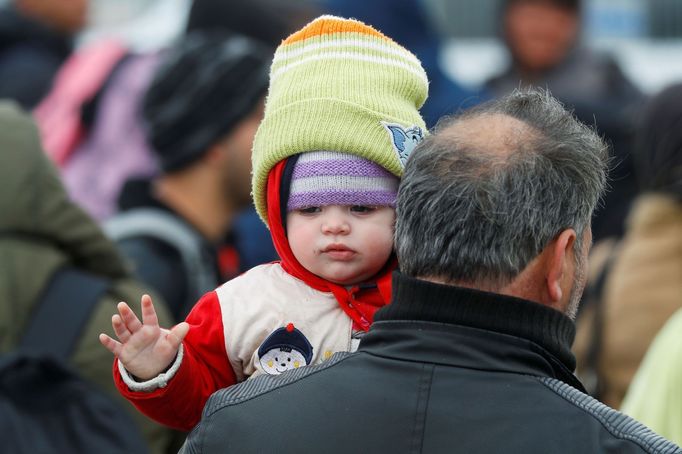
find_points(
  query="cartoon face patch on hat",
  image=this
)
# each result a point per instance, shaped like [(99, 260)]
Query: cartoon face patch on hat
[(284, 349), (404, 140)]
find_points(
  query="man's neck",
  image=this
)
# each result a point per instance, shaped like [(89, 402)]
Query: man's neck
[(425, 300), (517, 288), (196, 199), (529, 285)]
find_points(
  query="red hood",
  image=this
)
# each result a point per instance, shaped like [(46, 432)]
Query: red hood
[(360, 307)]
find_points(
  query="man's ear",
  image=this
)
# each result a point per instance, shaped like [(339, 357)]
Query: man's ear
[(560, 257), (216, 153)]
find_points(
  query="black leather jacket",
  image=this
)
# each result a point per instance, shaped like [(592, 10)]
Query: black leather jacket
[(442, 370)]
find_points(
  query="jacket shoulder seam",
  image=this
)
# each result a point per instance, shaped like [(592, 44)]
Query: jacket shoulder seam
[(616, 423), (263, 384)]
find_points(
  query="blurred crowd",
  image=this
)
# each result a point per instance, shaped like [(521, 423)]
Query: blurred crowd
[(152, 151)]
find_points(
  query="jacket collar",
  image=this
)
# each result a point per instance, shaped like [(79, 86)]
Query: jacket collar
[(474, 328)]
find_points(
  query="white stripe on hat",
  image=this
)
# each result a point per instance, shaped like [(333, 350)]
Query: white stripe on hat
[(326, 155), (284, 53), (352, 56), (342, 182)]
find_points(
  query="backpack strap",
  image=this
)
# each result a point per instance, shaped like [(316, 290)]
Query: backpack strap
[(62, 312), (163, 226)]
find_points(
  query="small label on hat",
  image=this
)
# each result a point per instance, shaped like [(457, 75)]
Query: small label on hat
[(403, 140)]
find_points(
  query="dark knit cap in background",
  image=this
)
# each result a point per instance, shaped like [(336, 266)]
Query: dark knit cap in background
[(267, 21), (205, 86)]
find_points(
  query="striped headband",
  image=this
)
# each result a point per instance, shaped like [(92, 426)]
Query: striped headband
[(325, 178)]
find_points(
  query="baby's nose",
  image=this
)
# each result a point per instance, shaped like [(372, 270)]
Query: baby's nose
[(336, 225)]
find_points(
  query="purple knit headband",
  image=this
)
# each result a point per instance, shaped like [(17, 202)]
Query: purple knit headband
[(323, 178)]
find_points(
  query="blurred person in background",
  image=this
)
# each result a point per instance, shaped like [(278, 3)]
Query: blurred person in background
[(91, 119), (201, 113), (407, 23), (543, 40), (655, 395), (638, 281), (267, 21), (43, 233), (91, 126), (36, 36)]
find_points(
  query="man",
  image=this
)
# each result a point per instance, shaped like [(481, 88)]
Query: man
[(543, 38), (473, 354), (202, 110), (35, 38)]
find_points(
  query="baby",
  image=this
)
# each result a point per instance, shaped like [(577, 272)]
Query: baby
[(340, 120)]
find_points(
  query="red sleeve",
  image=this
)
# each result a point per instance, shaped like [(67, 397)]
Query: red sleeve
[(205, 368)]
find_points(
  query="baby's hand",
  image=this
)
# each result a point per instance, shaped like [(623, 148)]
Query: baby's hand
[(145, 349)]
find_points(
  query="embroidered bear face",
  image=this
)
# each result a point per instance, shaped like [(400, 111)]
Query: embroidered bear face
[(281, 359), (284, 349)]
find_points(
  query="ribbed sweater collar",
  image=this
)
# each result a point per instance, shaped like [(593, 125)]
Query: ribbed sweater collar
[(415, 299)]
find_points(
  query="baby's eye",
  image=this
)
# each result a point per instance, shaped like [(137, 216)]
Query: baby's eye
[(310, 210), (362, 209)]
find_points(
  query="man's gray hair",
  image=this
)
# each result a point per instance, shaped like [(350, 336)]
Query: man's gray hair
[(475, 210)]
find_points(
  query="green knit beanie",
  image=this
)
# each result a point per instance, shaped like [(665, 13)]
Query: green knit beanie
[(339, 85)]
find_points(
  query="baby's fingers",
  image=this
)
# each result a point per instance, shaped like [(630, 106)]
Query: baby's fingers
[(177, 334), (110, 344), (130, 320), (148, 312), (120, 329)]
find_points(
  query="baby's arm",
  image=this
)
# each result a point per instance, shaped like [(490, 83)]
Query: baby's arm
[(201, 369), (144, 348)]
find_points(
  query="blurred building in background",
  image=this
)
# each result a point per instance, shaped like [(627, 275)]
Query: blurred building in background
[(141, 24)]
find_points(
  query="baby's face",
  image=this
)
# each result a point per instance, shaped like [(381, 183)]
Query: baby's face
[(342, 244)]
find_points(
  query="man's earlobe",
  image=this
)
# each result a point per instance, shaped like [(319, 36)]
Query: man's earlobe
[(215, 153), (560, 254), (554, 289)]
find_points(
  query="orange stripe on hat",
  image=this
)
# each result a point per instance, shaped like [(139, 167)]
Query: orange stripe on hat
[(328, 25)]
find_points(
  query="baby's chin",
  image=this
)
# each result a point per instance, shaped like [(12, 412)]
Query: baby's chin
[(349, 280), (346, 282)]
